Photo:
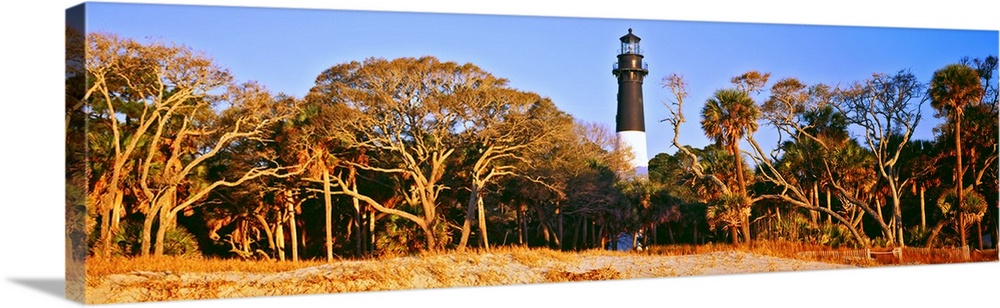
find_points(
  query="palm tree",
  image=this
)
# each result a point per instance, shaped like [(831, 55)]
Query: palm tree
[(963, 214), (730, 210), (952, 88), (851, 173), (727, 117)]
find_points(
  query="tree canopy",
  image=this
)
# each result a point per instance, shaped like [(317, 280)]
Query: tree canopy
[(389, 156)]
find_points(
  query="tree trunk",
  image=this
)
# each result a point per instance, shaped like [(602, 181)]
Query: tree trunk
[(959, 176), (670, 233), (279, 240), (594, 240), (167, 220), (694, 236), (161, 231), (520, 228), (292, 226), (545, 233), (899, 226), (559, 230), (961, 230), (829, 206), (364, 230), (484, 238), (556, 239), (979, 234), (887, 230), (470, 212), (635, 240), (574, 244), (524, 223), (604, 240), (653, 235), (746, 228), (734, 234), (897, 216), (147, 232), (106, 224), (371, 229), (111, 201), (858, 219), (429, 232), (356, 224), (267, 231), (738, 162), (328, 206), (117, 211), (878, 209), (815, 202), (934, 234), (549, 235), (923, 212)]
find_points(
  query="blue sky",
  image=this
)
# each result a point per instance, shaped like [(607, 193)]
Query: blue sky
[(566, 59)]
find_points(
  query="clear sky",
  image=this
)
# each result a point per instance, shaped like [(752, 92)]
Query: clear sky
[(566, 59)]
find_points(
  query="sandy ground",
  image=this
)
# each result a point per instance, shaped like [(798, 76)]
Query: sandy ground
[(428, 272)]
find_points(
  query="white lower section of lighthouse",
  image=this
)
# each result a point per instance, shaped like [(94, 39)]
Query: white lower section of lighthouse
[(636, 140)]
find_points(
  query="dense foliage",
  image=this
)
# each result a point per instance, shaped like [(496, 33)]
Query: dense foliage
[(411, 154)]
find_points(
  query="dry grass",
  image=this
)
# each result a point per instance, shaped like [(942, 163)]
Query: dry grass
[(113, 280), (99, 266), (531, 257), (605, 273), (794, 250), (780, 249)]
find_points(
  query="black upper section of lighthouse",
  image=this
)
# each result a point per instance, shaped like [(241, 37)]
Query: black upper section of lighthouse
[(630, 71)]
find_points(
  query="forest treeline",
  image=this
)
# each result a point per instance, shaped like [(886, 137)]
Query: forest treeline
[(168, 154)]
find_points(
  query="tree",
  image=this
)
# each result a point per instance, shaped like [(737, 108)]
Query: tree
[(784, 111), (979, 130), (920, 162), (121, 76), (173, 177), (669, 172), (270, 204), (499, 133), (728, 117), (291, 145), (730, 210), (819, 151), (588, 166), (962, 215), (156, 119), (953, 88), (133, 87), (678, 87), (570, 172), (887, 108), (406, 111)]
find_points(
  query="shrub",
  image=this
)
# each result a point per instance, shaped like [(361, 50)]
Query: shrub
[(180, 242)]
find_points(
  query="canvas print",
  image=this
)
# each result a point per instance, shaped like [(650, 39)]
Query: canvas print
[(232, 152)]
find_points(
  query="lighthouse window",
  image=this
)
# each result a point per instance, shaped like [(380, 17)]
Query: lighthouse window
[(630, 47)]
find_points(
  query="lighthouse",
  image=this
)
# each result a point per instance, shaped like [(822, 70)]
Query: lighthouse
[(630, 124)]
